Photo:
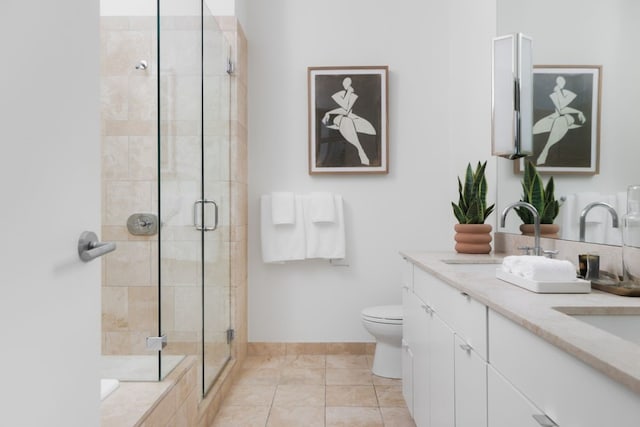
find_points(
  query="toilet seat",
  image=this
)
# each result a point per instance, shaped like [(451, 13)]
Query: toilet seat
[(387, 314)]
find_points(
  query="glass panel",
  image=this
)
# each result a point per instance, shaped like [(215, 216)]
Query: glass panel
[(180, 180), (216, 184), (129, 182)]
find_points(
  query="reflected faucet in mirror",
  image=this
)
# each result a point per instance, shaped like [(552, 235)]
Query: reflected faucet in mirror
[(585, 211), (537, 250)]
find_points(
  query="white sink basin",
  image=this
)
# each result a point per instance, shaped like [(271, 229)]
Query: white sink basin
[(625, 325)]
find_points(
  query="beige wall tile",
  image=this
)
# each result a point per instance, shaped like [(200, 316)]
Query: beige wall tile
[(113, 98), (129, 128), (356, 348), (115, 309), (143, 159), (266, 349), (124, 198), (143, 308), (123, 50), (129, 265), (306, 348)]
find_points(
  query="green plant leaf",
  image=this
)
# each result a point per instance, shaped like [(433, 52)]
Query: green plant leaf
[(457, 212)]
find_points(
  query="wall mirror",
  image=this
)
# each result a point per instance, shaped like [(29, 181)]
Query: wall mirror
[(584, 33)]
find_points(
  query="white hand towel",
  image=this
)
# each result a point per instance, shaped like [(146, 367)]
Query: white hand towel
[(540, 269), (283, 209), (325, 239), (322, 207), (285, 242)]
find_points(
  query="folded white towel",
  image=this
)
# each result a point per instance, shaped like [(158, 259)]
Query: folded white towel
[(539, 268), (325, 239), (322, 207), (283, 210), (285, 242)]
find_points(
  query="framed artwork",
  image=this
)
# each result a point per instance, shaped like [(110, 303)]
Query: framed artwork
[(348, 120), (566, 119)]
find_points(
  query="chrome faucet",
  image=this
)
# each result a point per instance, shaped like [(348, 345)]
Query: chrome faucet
[(537, 250), (585, 211)]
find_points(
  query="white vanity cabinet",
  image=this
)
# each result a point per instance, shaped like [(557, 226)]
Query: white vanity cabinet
[(554, 385), (444, 354)]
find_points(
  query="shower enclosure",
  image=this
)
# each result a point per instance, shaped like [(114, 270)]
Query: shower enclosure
[(166, 150)]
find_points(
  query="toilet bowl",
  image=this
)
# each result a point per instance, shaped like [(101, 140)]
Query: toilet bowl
[(385, 324)]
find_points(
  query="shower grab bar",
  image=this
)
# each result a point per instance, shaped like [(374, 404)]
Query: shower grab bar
[(90, 248), (200, 225)]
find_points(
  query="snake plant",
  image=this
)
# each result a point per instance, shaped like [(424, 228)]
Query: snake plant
[(472, 201), (541, 197)]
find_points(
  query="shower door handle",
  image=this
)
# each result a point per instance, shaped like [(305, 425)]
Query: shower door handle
[(198, 223)]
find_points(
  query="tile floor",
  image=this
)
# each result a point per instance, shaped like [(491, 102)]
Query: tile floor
[(313, 390)]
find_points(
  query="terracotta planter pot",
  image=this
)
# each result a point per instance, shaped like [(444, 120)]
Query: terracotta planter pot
[(546, 230), (473, 238)]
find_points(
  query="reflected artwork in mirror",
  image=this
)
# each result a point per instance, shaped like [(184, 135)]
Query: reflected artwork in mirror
[(578, 32)]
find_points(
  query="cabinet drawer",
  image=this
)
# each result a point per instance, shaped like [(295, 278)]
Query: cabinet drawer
[(507, 407), (466, 316), (567, 390)]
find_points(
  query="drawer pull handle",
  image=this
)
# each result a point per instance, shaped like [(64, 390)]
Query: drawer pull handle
[(464, 294), (467, 348), (544, 421), (427, 309)]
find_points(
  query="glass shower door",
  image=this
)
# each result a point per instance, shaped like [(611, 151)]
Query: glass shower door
[(216, 187), (193, 191)]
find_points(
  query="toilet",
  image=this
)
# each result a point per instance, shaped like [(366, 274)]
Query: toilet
[(385, 324)]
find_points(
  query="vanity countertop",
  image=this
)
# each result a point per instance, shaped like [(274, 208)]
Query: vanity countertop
[(615, 357)]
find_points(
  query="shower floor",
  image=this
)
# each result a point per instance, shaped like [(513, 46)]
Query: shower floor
[(137, 368)]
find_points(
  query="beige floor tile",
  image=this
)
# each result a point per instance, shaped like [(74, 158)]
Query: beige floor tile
[(351, 395), (312, 376), (268, 376), (289, 395), (370, 361), (386, 381), (347, 361), (307, 416), (263, 362), (250, 395), (390, 396), (349, 377), (242, 416), (397, 417), (305, 361), (353, 417)]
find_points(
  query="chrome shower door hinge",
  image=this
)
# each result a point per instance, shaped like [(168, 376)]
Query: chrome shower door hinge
[(156, 343), (231, 335)]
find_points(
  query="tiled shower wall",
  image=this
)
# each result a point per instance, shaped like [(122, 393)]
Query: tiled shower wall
[(129, 163), (129, 182)]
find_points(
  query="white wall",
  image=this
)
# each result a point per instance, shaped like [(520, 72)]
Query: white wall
[(439, 60)]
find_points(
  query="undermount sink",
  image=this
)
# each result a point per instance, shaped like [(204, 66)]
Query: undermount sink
[(621, 322)]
